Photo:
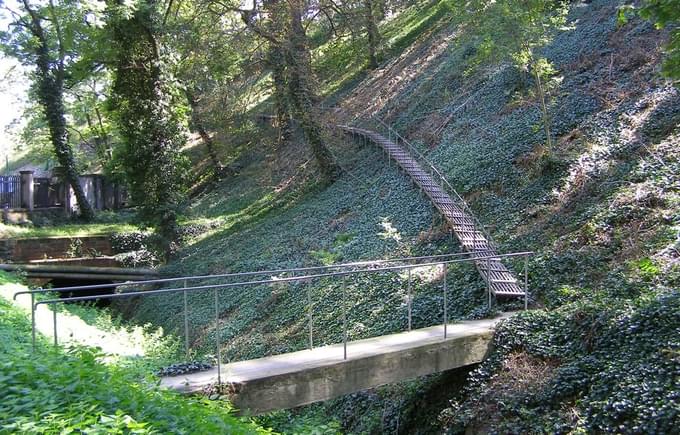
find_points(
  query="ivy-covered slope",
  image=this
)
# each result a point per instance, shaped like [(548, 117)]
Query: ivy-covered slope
[(601, 211)]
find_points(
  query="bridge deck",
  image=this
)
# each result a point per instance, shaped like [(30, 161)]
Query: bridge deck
[(299, 378)]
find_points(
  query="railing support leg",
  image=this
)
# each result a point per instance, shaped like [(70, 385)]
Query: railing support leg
[(54, 320), (409, 301), (446, 312), (526, 282), (488, 279), (309, 304), (33, 321), (186, 322), (217, 338), (344, 316)]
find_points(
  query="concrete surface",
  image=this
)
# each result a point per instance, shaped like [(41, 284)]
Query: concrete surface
[(299, 378)]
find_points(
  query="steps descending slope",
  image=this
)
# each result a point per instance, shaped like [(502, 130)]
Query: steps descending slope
[(470, 235)]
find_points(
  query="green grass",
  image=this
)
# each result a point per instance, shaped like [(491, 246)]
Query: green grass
[(72, 391), (65, 230)]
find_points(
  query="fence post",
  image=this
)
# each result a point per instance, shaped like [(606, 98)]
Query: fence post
[(186, 323), (33, 320), (217, 338), (309, 304), (27, 190)]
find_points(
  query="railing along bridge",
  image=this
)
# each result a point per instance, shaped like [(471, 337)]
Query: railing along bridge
[(222, 287)]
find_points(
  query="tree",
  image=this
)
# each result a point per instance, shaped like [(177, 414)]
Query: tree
[(290, 40), (48, 38), (151, 126), (300, 88), (514, 30), (372, 32)]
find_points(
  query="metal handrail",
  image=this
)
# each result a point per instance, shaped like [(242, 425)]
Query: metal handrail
[(232, 275), (276, 280), (304, 278)]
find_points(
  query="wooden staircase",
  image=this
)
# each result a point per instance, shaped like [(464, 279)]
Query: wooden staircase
[(465, 226)]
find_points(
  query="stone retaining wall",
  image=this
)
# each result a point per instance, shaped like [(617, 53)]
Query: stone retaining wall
[(25, 250)]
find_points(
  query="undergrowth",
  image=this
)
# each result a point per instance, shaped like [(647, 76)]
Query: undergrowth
[(56, 390)]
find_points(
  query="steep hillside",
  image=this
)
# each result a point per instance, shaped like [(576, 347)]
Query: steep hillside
[(602, 212)]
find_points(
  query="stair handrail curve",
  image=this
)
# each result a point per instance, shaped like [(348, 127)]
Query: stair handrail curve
[(444, 183)]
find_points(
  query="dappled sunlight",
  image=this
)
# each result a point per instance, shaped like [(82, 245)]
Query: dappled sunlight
[(392, 79), (389, 231), (600, 155), (106, 333), (423, 274)]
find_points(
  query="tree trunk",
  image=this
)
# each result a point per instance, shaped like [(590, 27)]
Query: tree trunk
[(373, 34), (277, 65), (300, 91), (197, 123), (51, 98), (544, 110), (151, 130)]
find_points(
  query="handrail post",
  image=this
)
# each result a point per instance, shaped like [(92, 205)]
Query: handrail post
[(446, 313), (33, 320), (217, 338), (410, 301), (186, 322), (54, 320), (526, 281), (309, 304), (488, 278), (344, 316)]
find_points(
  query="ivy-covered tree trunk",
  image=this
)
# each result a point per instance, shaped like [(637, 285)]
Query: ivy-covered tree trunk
[(373, 34), (151, 130), (51, 97), (300, 91), (282, 113), (198, 125)]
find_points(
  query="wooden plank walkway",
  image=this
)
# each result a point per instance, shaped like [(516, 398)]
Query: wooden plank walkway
[(470, 235), (299, 378)]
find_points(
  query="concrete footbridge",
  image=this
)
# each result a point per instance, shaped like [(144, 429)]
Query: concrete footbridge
[(319, 372), (300, 378)]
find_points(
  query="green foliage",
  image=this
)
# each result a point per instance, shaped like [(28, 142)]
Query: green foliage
[(312, 423), (516, 30), (617, 365), (325, 257), (65, 391), (666, 14), (150, 121)]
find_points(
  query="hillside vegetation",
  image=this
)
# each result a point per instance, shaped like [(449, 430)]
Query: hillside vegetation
[(551, 118), (600, 209), (72, 391)]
